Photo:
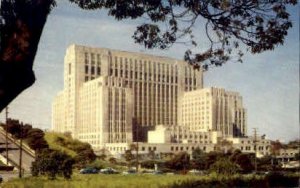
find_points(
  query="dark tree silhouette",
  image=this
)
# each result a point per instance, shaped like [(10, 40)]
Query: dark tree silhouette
[(257, 25)]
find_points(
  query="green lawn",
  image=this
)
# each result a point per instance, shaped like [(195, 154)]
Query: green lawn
[(156, 181), (100, 180)]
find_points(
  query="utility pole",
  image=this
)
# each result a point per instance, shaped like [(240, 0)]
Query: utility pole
[(6, 136), (21, 146), (255, 149)]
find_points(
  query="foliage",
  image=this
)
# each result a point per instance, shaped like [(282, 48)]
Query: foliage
[(51, 163), (112, 160), (225, 167), (297, 156), (212, 157), (34, 137), (151, 154), (198, 159), (128, 156), (275, 147), (267, 163), (243, 160), (21, 24), (180, 161), (150, 164), (81, 152), (294, 144), (13, 127), (226, 24), (257, 25)]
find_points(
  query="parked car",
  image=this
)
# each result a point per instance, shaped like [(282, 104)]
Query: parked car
[(196, 172), (130, 171), (89, 171), (109, 171), (158, 172), (147, 171)]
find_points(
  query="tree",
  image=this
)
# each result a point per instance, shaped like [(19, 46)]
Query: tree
[(52, 163), (151, 154), (180, 161), (275, 147), (35, 139), (212, 157), (84, 151), (257, 25), (112, 160), (243, 160), (225, 167), (199, 158), (128, 156)]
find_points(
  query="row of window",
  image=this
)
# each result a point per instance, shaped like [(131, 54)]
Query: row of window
[(134, 64)]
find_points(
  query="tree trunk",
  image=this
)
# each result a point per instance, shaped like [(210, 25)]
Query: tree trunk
[(24, 21)]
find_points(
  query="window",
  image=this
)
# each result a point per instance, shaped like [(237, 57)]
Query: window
[(86, 69), (86, 58)]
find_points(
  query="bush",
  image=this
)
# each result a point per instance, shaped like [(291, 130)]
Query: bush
[(52, 163), (180, 161), (225, 167), (84, 151)]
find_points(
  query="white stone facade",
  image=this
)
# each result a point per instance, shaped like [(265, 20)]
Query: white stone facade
[(104, 90), (180, 134), (213, 109), (259, 145), (150, 86)]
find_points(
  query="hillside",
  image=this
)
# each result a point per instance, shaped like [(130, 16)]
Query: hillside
[(80, 151)]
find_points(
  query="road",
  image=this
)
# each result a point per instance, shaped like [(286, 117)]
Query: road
[(14, 154)]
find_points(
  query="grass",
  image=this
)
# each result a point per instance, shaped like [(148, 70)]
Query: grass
[(155, 181), (52, 138), (101, 181)]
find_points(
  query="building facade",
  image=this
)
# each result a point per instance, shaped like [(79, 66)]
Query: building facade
[(181, 134), (213, 109), (105, 89)]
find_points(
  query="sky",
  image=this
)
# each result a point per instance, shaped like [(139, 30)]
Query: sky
[(268, 82)]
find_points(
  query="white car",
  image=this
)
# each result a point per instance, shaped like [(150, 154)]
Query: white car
[(109, 171)]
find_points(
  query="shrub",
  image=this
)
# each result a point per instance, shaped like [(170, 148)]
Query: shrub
[(225, 167), (52, 163)]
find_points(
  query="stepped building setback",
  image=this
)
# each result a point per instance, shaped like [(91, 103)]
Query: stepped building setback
[(105, 89), (113, 98)]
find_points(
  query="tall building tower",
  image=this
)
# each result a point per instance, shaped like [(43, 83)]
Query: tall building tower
[(213, 109), (148, 85)]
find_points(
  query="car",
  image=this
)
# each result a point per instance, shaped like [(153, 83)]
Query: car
[(88, 171), (147, 171), (109, 171), (196, 172), (158, 172), (130, 171)]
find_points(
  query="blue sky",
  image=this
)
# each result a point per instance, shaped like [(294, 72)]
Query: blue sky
[(268, 82)]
